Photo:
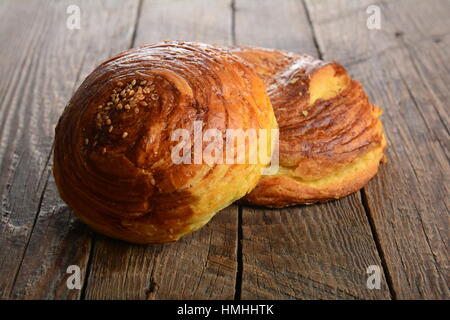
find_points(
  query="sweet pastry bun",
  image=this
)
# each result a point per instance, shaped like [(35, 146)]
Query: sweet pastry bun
[(331, 138), (113, 160)]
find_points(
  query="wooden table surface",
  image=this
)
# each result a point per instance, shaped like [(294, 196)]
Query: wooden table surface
[(399, 221)]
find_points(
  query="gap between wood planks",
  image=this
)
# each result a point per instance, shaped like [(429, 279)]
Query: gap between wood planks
[(362, 192), (94, 237), (46, 172), (239, 257), (239, 260)]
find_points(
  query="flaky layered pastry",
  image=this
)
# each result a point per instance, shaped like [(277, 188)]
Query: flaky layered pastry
[(331, 138), (112, 158)]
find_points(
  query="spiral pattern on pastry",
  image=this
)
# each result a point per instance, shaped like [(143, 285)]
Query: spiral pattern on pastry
[(331, 138), (112, 158)]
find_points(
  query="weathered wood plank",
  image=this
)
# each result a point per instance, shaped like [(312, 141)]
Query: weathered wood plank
[(404, 67), (199, 266), (198, 20), (309, 252), (304, 252), (279, 25), (203, 264), (39, 235)]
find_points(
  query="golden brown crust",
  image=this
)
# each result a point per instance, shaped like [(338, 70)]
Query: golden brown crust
[(331, 140), (112, 158)]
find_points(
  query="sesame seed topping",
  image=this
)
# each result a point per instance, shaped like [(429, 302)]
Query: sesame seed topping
[(305, 113), (108, 122), (155, 96), (143, 103), (133, 82), (110, 129), (120, 84), (100, 106), (131, 93), (104, 150), (143, 82), (127, 106), (136, 110), (125, 134), (86, 141)]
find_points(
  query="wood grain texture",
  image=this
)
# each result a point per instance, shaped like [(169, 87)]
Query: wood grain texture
[(198, 20), (275, 24), (39, 235), (309, 252), (399, 221), (404, 67), (303, 252), (201, 265)]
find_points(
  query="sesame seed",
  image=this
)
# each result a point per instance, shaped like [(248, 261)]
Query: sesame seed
[(99, 116), (131, 92), (133, 82), (143, 82), (99, 107), (107, 108), (119, 106), (110, 129), (125, 134), (155, 96), (123, 92), (120, 84), (95, 143), (108, 122), (104, 150), (127, 106), (305, 113), (86, 141), (143, 103), (136, 110)]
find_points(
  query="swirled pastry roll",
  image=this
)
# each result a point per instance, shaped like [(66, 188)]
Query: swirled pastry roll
[(331, 138), (113, 157)]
